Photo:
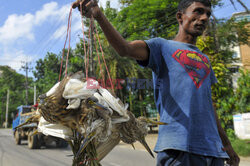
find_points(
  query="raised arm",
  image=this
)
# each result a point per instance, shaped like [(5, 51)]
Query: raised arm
[(136, 49)]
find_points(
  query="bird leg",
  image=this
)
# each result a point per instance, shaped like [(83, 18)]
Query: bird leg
[(86, 141)]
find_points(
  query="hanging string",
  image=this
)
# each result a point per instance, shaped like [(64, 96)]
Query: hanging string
[(112, 86), (84, 45), (86, 54), (102, 74), (87, 63), (70, 15), (66, 67)]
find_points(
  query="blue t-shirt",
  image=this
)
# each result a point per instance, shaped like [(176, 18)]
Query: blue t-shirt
[(182, 77)]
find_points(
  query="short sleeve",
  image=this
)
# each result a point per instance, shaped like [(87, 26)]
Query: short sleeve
[(155, 55), (213, 77)]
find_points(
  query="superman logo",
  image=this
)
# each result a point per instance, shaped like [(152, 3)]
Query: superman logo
[(196, 65)]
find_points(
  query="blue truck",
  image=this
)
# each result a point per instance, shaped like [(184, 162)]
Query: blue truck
[(35, 141)]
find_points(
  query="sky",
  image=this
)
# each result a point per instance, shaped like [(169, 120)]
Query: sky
[(31, 28)]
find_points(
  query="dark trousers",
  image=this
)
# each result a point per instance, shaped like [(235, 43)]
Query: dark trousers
[(179, 158)]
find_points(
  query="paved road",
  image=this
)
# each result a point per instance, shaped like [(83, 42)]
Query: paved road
[(21, 155), (122, 155)]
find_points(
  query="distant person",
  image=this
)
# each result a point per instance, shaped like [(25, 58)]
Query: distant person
[(193, 136)]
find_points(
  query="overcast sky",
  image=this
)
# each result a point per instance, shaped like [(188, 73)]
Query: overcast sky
[(31, 28)]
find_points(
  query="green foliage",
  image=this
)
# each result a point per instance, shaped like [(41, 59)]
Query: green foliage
[(238, 102), (46, 72), (241, 147), (147, 19), (226, 31), (242, 94), (15, 82), (231, 134)]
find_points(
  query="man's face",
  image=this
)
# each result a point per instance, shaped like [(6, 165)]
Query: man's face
[(195, 19)]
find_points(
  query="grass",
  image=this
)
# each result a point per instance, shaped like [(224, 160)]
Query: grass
[(241, 147)]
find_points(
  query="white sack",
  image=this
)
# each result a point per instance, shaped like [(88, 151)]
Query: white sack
[(56, 130)]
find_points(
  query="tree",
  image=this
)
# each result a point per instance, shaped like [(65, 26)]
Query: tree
[(47, 72), (242, 94), (15, 83), (146, 19)]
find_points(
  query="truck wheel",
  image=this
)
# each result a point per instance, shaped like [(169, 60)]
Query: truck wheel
[(33, 141), (17, 138), (61, 143)]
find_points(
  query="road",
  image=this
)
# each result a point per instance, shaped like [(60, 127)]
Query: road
[(122, 155), (21, 155)]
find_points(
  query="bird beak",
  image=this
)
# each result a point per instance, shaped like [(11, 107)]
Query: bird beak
[(86, 141), (157, 122), (144, 143), (94, 103), (99, 106), (20, 125)]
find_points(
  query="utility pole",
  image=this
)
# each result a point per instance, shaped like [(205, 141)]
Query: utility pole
[(26, 68), (1, 122), (34, 94), (7, 109)]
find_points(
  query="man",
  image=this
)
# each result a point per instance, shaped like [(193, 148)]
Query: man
[(193, 136)]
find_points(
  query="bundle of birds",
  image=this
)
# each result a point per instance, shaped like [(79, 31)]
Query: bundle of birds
[(98, 118)]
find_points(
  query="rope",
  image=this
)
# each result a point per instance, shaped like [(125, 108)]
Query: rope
[(84, 45), (103, 77), (112, 86), (70, 13), (95, 33), (87, 66), (66, 68)]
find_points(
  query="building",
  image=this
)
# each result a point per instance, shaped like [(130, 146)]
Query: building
[(243, 51)]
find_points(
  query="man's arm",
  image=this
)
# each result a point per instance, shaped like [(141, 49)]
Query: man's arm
[(137, 49), (234, 158)]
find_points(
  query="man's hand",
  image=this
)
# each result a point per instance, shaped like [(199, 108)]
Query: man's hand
[(234, 159), (89, 7)]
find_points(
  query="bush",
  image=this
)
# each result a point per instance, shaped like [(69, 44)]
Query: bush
[(230, 134)]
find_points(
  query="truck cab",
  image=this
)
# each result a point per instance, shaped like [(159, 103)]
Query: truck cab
[(22, 114)]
